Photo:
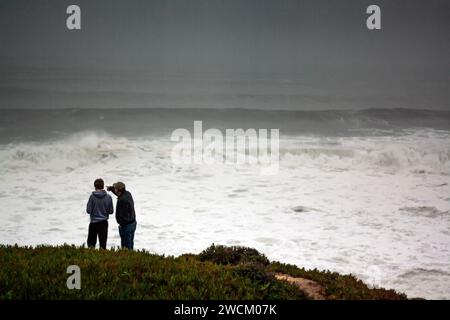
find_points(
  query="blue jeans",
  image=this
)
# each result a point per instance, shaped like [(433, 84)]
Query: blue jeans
[(127, 235)]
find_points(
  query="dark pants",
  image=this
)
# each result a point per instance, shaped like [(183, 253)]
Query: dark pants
[(99, 229), (127, 235)]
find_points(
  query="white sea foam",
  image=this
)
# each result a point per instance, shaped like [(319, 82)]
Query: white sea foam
[(349, 204)]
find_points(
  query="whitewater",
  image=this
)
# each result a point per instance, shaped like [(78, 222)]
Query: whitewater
[(362, 193)]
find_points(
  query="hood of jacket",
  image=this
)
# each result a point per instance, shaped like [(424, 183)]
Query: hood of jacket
[(99, 194)]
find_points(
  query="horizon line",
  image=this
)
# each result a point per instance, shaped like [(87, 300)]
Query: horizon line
[(220, 109)]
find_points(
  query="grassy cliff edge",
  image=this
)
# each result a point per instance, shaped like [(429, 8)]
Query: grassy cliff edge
[(218, 272)]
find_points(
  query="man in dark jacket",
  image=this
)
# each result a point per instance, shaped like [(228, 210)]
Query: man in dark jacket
[(99, 207), (125, 215)]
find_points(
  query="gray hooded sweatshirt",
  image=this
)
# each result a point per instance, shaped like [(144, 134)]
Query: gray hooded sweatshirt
[(99, 206)]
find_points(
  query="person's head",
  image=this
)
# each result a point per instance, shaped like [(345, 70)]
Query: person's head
[(99, 184), (119, 187)]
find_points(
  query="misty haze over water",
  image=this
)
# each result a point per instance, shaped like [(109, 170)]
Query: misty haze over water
[(297, 55)]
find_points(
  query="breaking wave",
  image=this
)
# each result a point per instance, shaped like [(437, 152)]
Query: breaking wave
[(415, 153)]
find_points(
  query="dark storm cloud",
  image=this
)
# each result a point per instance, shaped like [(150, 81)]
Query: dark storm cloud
[(316, 52)]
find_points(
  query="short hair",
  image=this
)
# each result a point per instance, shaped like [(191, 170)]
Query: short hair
[(99, 184), (120, 186)]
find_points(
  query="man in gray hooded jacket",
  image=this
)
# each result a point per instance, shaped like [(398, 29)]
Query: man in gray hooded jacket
[(99, 207)]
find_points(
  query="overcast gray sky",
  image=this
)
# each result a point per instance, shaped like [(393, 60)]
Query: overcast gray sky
[(225, 53)]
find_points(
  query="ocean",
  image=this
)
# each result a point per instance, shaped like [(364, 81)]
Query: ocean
[(363, 192)]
